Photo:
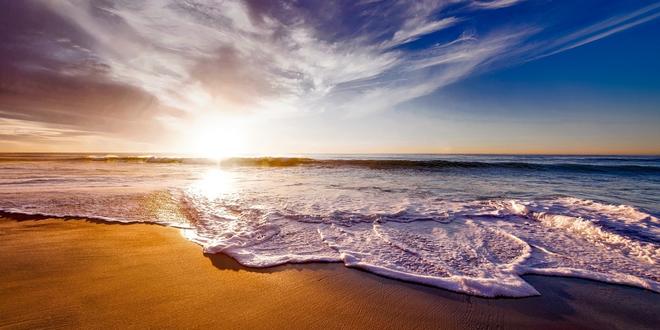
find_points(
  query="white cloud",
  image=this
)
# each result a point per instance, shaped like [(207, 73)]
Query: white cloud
[(600, 30), (158, 46), (202, 55), (495, 4), (414, 30)]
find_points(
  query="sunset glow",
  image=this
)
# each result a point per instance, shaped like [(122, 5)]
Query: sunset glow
[(203, 164), (216, 139), (219, 78)]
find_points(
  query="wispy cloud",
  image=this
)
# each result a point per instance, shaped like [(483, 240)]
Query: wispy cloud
[(202, 55), (415, 30), (600, 30), (495, 4), (177, 60)]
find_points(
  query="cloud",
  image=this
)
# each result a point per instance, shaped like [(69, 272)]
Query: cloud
[(423, 73), (495, 4), (414, 30), (144, 69), (249, 57), (600, 30)]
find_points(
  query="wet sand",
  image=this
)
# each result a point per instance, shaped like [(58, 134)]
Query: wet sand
[(57, 273)]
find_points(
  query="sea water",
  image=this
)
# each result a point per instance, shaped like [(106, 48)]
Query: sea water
[(470, 224)]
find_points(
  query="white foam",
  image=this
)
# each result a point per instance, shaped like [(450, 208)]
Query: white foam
[(264, 218), (477, 247)]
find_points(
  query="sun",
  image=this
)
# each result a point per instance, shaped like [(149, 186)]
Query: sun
[(216, 139)]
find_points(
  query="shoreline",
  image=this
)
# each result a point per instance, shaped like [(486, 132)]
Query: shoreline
[(82, 273)]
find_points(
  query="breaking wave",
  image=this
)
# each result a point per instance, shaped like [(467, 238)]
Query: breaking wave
[(416, 220), (479, 247), (646, 165)]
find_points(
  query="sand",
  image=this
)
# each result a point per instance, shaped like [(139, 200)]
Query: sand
[(57, 273)]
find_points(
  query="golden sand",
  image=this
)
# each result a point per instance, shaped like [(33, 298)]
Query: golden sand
[(75, 273)]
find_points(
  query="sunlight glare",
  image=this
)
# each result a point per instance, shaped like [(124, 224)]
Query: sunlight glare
[(214, 184), (217, 139)]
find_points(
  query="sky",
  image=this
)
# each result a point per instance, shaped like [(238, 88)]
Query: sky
[(214, 77)]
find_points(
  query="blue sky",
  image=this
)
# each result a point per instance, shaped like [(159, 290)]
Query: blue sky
[(273, 77)]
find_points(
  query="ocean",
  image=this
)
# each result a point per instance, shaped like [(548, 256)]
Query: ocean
[(466, 223)]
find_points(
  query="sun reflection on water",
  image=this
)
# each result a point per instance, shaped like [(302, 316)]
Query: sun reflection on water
[(215, 183)]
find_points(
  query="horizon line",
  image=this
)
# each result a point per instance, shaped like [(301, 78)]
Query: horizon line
[(293, 154)]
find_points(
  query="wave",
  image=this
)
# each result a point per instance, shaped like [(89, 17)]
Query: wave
[(121, 158), (478, 247), (586, 165), (434, 164), (385, 215)]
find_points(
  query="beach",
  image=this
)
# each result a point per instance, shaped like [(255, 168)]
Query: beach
[(389, 164), (78, 273)]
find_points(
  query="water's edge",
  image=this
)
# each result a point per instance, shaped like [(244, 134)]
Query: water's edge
[(623, 280)]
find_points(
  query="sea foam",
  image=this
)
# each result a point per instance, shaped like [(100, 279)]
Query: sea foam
[(482, 252), (445, 229)]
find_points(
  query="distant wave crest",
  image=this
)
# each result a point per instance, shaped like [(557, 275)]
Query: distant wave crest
[(647, 166), (431, 164)]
